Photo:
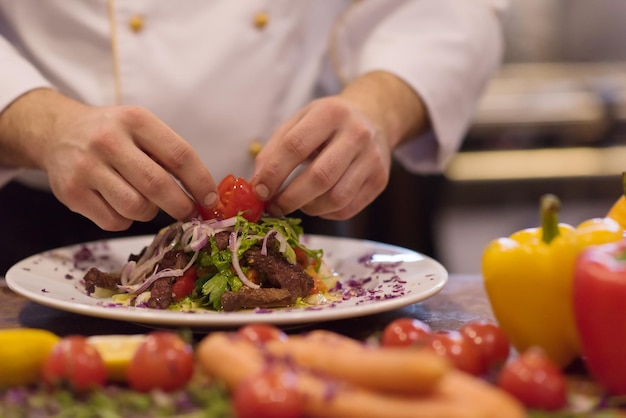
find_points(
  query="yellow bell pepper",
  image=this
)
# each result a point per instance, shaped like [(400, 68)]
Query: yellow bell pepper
[(618, 210), (528, 278)]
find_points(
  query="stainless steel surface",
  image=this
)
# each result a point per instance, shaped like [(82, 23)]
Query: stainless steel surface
[(552, 121), (564, 68), (576, 100), (565, 31)]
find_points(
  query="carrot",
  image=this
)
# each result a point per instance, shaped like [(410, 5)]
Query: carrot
[(455, 395), (377, 368)]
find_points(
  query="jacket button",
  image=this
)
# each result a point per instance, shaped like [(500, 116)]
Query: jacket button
[(261, 19), (136, 23), (254, 148)]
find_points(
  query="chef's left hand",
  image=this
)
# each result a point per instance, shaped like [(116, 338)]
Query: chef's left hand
[(346, 142)]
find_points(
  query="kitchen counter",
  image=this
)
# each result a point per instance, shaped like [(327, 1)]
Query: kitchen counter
[(463, 299)]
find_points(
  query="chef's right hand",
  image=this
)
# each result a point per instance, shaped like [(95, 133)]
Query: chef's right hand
[(114, 165)]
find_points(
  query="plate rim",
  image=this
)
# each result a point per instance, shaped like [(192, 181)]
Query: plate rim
[(225, 319)]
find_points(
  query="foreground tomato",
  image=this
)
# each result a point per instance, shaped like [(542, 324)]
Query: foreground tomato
[(535, 380), (75, 362), (491, 342), (459, 350), (261, 333), (236, 196), (270, 394), (163, 361), (600, 312), (405, 332)]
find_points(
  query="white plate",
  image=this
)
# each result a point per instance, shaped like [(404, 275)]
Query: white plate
[(375, 278)]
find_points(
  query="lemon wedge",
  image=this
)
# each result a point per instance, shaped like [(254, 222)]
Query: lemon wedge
[(116, 351), (22, 354)]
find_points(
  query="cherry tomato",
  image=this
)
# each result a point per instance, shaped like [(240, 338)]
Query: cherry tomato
[(75, 362), (184, 285), (535, 381), (405, 332), (261, 333), (271, 394), (458, 349), (163, 361), (236, 196), (492, 343)]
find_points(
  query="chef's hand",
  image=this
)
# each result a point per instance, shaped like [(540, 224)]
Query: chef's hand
[(346, 142), (114, 165)]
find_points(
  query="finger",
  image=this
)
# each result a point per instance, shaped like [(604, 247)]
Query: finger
[(367, 190), (93, 206), (274, 144), (79, 192), (149, 179), (76, 186), (365, 196), (123, 197), (358, 187), (176, 156), (106, 217), (338, 199), (320, 176), (290, 147)]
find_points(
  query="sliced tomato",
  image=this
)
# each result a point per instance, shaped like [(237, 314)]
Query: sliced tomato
[(236, 196), (309, 264), (184, 285), (302, 258), (318, 284)]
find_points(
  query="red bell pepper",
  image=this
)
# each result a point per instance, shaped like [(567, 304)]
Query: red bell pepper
[(599, 293)]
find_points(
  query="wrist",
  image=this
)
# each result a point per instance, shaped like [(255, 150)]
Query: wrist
[(391, 103), (28, 125)]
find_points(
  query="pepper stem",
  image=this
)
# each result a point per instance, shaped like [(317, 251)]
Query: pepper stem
[(624, 183), (550, 206)]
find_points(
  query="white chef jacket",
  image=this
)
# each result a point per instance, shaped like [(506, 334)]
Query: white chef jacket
[(225, 73)]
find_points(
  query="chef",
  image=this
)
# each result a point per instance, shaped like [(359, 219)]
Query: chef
[(129, 109)]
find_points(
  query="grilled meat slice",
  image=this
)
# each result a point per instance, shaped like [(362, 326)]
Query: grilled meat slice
[(247, 298), (96, 278), (279, 272), (161, 293), (174, 259), (221, 241)]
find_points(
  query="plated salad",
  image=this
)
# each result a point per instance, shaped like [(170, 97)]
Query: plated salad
[(221, 261)]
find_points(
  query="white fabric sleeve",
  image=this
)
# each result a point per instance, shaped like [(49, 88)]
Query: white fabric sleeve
[(17, 77), (447, 50)]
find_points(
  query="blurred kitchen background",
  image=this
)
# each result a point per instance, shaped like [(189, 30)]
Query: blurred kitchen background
[(553, 121)]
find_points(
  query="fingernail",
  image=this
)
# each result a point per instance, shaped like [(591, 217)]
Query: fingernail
[(262, 191), (210, 200)]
